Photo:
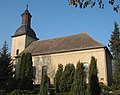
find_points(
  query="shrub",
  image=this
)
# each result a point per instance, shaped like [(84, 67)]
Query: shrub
[(11, 85), (21, 92), (106, 88), (25, 84), (114, 87), (65, 93), (116, 92)]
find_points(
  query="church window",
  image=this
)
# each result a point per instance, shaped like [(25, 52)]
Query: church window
[(34, 72), (17, 51), (44, 70), (86, 70)]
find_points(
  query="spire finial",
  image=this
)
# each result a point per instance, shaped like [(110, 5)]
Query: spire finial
[(27, 7)]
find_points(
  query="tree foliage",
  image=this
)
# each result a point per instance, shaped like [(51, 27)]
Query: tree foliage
[(92, 3), (44, 86), (6, 67), (67, 78), (93, 82), (26, 72), (115, 50), (29, 68), (79, 83), (25, 84), (26, 69), (22, 67), (58, 76)]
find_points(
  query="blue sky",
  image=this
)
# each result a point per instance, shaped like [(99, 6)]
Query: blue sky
[(54, 18)]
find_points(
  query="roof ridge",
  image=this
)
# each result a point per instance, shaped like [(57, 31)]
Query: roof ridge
[(63, 36), (74, 42), (82, 33)]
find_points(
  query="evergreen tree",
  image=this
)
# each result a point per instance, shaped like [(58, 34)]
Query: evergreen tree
[(6, 67), (26, 72), (26, 69), (115, 50), (93, 82), (44, 86), (67, 78), (29, 68), (79, 84), (58, 78), (22, 67)]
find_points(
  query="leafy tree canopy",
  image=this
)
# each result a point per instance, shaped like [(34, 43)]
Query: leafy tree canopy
[(92, 3)]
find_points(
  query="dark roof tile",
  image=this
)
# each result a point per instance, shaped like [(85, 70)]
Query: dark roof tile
[(25, 30), (63, 44)]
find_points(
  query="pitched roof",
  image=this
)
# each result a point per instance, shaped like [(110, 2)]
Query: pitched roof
[(63, 44)]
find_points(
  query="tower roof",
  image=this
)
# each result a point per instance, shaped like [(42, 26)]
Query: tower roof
[(25, 28), (26, 12)]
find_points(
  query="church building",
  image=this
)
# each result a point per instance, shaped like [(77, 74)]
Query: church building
[(63, 50)]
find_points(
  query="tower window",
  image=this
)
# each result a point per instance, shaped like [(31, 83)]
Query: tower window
[(17, 51)]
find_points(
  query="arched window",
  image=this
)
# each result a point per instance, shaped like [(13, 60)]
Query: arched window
[(44, 70), (86, 70), (17, 51), (34, 72)]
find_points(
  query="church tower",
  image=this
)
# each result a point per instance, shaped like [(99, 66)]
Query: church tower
[(24, 35)]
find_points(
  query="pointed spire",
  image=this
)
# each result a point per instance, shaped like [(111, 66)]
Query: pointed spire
[(26, 17), (27, 7)]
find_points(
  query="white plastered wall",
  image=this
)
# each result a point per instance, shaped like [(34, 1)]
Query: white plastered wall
[(18, 43), (52, 60)]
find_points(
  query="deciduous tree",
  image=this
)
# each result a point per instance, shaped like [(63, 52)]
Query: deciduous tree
[(85, 3)]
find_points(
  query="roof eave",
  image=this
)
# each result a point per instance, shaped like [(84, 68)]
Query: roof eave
[(62, 51), (24, 34)]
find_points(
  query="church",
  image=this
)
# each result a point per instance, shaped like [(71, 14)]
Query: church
[(63, 50)]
